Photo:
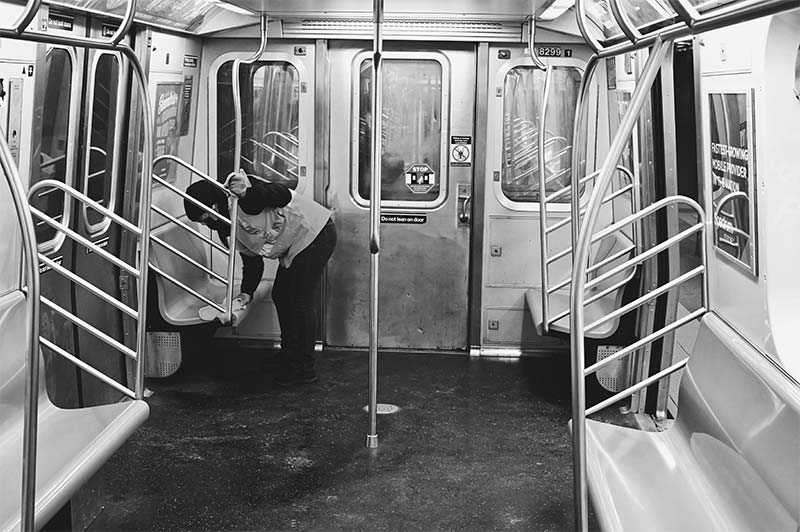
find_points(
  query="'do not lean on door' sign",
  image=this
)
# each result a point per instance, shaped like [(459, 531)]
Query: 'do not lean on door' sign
[(420, 178)]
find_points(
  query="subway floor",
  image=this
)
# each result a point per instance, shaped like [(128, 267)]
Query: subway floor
[(478, 444)]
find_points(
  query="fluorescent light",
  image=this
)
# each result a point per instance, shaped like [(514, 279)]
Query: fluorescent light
[(556, 9), (233, 8)]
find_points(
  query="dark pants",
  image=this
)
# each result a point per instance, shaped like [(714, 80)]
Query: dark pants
[(293, 294)]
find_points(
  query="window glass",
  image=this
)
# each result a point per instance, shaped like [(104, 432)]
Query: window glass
[(411, 130), (599, 12), (270, 92), (100, 177), (643, 13), (55, 131), (704, 5), (522, 100)]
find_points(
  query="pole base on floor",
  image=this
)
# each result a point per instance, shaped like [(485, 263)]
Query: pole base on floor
[(372, 441)]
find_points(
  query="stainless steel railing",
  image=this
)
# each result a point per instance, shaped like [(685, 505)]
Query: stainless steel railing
[(548, 259), (230, 251)]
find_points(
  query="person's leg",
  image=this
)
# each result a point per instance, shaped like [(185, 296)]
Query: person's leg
[(304, 276), (282, 297)]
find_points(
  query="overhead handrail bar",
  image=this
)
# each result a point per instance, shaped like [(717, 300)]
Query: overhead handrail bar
[(716, 18), (88, 327), (374, 217), (110, 43), (31, 272), (531, 33), (640, 95)]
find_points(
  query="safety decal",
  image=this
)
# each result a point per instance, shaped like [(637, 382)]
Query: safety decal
[(460, 151), (420, 178)]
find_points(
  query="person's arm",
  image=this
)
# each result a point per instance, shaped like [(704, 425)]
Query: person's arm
[(252, 271), (261, 195)]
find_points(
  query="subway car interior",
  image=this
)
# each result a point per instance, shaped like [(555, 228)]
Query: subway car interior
[(561, 297)]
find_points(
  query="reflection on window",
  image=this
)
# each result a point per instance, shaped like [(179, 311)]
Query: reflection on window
[(270, 92), (704, 5), (522, 97), (411, 130), (599, 12), (643, 13), (100, 176), (55, 130)]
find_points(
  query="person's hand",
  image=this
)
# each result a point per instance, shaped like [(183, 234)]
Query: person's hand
[(238, 184), (244, 298)]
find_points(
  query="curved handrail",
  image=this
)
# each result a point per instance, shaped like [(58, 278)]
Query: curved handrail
[(32, 376), (234, 209), (581, 254), (25, 18)]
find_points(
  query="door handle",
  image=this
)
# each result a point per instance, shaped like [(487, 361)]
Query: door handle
[(464, 210)]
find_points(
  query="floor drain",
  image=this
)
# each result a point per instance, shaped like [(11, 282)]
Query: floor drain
[(383, 408)]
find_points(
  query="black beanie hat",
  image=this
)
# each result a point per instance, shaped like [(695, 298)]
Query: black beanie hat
[(207, 194)]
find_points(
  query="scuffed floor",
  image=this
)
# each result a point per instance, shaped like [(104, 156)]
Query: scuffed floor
[(478, 444)]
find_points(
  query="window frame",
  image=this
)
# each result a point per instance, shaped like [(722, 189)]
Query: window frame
[(102, 226), (495, 134), (355, 77), (54, 244), (305, 112)]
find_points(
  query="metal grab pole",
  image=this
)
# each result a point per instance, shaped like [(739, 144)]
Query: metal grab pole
[(640, 95), (375, 220), (30, 426), (237, 159), (543, 197)]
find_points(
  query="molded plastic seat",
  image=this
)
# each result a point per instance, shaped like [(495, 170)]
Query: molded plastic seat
[(731, 461), (72, 444), (177, 306), (559, 300)]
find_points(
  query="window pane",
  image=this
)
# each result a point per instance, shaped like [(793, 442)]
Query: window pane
[(522, 97), (55, 129), (643, 13), (411, 130), (100, 179), (270, 92)]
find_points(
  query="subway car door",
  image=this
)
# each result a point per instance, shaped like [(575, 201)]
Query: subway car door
[(100, 177), (277, 94), (61, 78), (426, 180)]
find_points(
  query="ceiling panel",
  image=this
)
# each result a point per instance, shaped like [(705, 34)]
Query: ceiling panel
[(439, 9)]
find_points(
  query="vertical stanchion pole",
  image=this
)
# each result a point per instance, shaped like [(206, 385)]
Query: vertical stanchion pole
[(375, 221)]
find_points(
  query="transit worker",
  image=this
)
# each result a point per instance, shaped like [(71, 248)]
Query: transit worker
[(275, 222)]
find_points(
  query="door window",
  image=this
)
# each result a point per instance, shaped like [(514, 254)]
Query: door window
[(55, 140), (411, 133), (270, 93), (522, 100), (100, 178)]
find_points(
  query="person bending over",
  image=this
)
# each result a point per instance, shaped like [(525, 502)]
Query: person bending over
[(275, 222)]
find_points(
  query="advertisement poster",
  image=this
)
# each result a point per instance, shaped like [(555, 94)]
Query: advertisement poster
[(167, 128), (732, 177)]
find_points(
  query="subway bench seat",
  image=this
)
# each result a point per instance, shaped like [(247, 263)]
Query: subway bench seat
[(731, 460), (72, 443), (177, 306), (559, 300)]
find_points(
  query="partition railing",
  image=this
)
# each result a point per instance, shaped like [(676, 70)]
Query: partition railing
[(628, 187), (229, 251), (21, 29)]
